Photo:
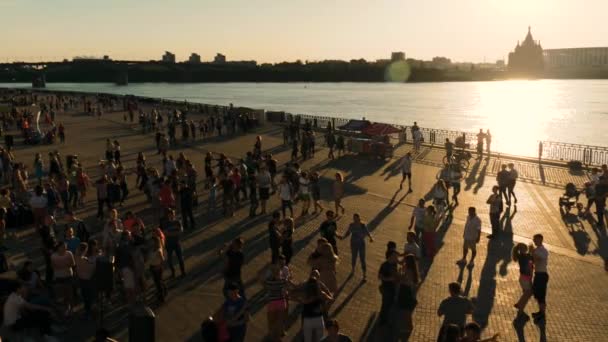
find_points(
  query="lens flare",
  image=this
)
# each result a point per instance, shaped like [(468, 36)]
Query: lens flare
[(398, 71)]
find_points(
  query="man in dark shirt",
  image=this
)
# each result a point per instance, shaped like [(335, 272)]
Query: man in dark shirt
[(388, 276), (228, 196), (79, 226), (503, 177), (274, 236), (455, 309), (233, 264), (173, 231), (186, 203), (328, 230), (449, 148), (601, 193)]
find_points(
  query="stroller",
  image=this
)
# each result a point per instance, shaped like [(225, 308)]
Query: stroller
[(569, 199)]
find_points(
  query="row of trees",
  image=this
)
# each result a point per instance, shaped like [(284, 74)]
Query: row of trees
[(325, 71)]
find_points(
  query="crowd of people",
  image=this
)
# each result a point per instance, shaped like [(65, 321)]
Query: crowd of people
[(137, 247)]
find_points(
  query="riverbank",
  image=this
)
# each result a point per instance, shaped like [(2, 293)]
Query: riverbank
[(555, 151)]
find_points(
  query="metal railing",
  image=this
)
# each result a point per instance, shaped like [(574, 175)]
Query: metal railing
[(588, 155)]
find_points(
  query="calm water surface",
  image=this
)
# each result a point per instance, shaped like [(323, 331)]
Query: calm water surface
[(518, 113)]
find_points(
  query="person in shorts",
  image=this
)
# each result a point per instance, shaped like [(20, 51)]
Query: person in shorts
[(541, 277), (406, 171), (471, 235)]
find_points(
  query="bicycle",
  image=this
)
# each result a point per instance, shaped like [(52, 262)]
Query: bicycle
[(460, 159)]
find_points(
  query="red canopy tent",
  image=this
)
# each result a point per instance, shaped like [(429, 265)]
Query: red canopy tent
[(376, 129)]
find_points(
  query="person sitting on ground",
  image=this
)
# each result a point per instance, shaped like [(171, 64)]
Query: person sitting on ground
[(20, 315)]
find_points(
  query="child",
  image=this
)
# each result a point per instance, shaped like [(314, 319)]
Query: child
[(523, 255)]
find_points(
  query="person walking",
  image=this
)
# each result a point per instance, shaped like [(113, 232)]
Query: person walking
[(513, 175), (186, 196), (480, 138), (429, 231), (406, 171), (315, 192), (274, 236), (287, 239), (313, 301), (235, 313), (233, 264), (417, 134), (522, 254), (495, 202), (358, 232), (329, 228), (264, 181), (286, 193), (488, 141), (409, 279), (155, 265), (471, 235), (325, 260), (173, 231), (417, 219), (339, 193), (449, 149), (304, 192), (541, 277), (503, 178), (389, 278), (276, 302)]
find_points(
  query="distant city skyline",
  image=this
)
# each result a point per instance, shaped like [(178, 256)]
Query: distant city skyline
[(271, 31)]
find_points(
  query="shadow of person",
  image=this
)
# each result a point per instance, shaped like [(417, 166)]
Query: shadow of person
[(482, 176), (499, 249), (471, 178)]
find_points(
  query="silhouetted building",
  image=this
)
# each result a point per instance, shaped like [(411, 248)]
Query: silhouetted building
[(219, 58), (441, 62), (527, 57), (397, 56), (194, 58), (576, 57), (168, 57)]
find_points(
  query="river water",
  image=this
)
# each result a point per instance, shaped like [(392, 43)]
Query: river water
[(518, 113)]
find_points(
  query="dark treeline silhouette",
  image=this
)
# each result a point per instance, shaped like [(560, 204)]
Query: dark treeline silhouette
[(325, 71)]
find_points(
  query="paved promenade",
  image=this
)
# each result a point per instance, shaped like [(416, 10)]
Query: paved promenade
[(577, 293)]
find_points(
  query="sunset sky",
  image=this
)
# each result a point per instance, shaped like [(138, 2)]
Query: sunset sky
[(278, 30)]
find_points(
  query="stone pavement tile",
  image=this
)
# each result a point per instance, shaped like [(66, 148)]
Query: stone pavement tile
[(575, 286)]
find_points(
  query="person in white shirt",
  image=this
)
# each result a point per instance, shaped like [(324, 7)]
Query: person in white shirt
[(541, 276), (418, 218), (20, 315), (406, 171), (285, 191), (471, 235), (411, 247)]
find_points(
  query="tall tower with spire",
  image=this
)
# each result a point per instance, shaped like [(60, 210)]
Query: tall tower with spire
[(527, 57)]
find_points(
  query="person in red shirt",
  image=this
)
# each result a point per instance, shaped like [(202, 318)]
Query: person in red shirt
[(235, 176), (166, 196), (133, 224)]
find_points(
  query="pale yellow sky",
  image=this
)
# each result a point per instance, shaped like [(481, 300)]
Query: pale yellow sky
[(278, 30)]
